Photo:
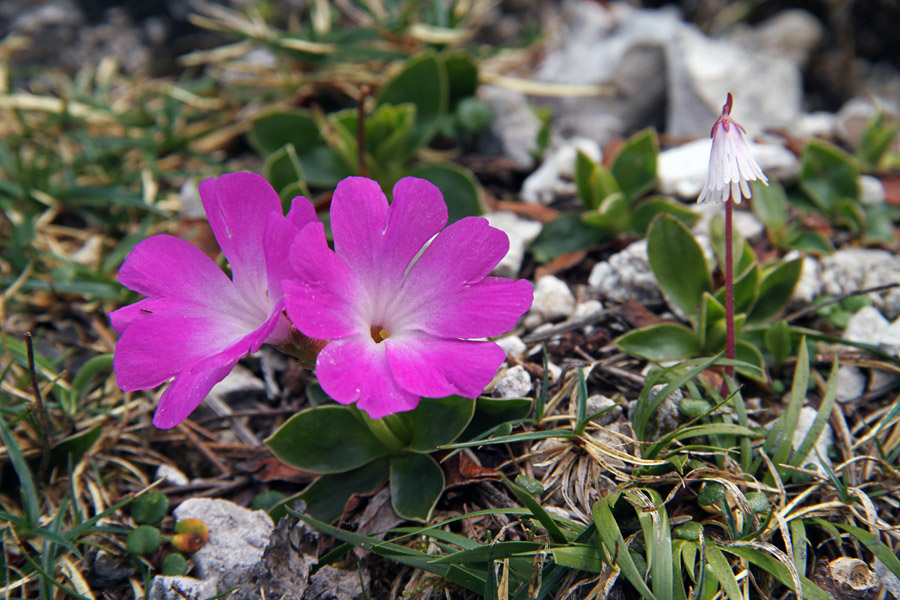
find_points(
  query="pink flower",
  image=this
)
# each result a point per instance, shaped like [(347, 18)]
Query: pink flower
[(196, 323), (730, 164), (396, 309)]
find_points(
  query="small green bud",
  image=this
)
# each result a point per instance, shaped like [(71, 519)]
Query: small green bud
[(150, 508), (174, 564), (190, 535), (143, 540)]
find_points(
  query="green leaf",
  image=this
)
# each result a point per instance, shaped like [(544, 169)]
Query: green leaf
[(710, 323), (327, 496), (462, 76), (566, 233), (654, 520), (584, 174), (665, 341), (724, 573), (775, 291), (143, 540), (770, 204), (321, 165), (634, 167), (750, 360), (325, 439), (439, 421), (678, 263), (460, 189), (490, 412), (614, 543), (417, 482), (150, 508), (879, 225), (86, 374), (582, 557), (174, 564), (812, 242), (611, 217), (876, 140), (786, 425), (31, 504), (388, 132), (822, 417), (493, 551), (538, 511), (72, 449), (646, 210), (423, 82), (778, 341), (827, 175)]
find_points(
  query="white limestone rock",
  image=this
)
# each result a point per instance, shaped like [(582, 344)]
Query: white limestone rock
[(514, 128), (178, 587), (809, 286), (890, 341), (555, 177), (171, 475), (871, 190), (866, 326), (626, 275), (853, 269), (825, 441), (515, 382), (552, 298), (521, 232), (237, 539), (512, 345), (851, 383)]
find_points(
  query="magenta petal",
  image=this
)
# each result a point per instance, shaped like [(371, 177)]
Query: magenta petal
[(150, 308), (324, 300), (463, 253), (437, 367), (164, 265), (280, 233), (237, 206), (301, 213), (356, 370), (153, 350), (490, 307), (359, 214), (189, 389)]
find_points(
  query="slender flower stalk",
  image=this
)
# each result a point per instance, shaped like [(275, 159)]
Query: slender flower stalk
[(731, 168)]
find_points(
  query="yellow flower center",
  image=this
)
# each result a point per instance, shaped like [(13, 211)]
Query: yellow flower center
[(379, 333)]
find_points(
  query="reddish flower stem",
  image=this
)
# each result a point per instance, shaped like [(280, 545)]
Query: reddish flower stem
[(729, 288)]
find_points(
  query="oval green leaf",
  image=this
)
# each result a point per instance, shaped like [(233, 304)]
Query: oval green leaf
[(666, 341), (417, 482), (423, 82), (775, 291), (439, 421), (460, 189), (327, 496), (325, 439), (678, 263), (634, 167)]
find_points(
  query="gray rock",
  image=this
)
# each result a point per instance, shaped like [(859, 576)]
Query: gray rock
[(512, 345), (191, 204), (793, 34), (334, 584), (682, 171), (626, 275), (825, 441), (587, 309), (890, 341), (872, 190), (879, 378), (767, 89), (514, 129), (555, 177), (515, 382), (854, 269), (237, 539), (521, 232), (552, 298), (600, 402), (666, 417), (179, 587), (866, 326), (851, 383), (239, 382)]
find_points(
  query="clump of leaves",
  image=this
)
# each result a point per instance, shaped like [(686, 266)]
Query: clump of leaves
[(354, 454), (615, 200), (308, 149), (760, 294)]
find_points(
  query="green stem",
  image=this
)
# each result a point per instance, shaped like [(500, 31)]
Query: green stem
[(390, 430)]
